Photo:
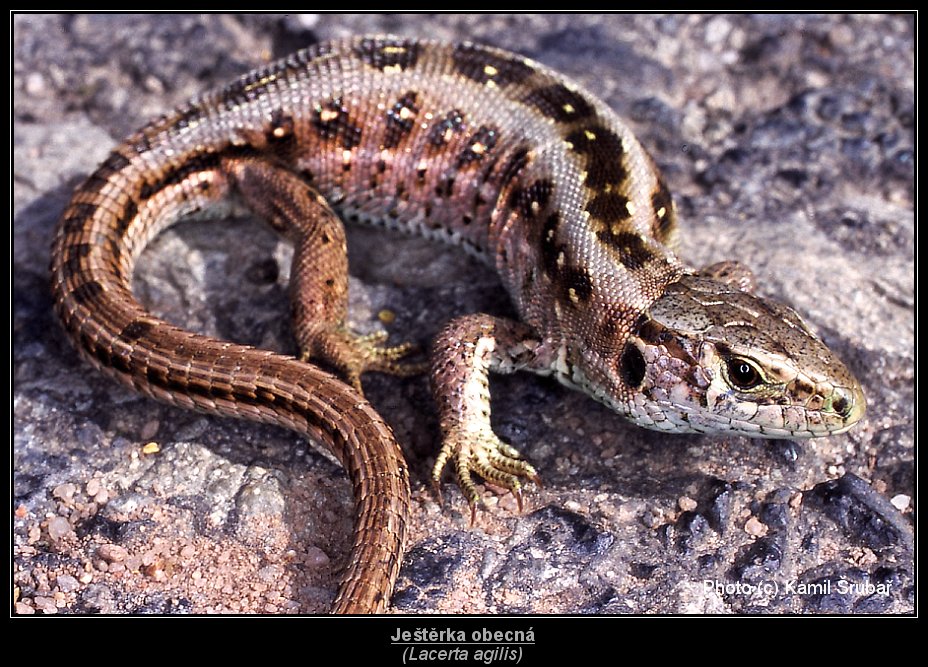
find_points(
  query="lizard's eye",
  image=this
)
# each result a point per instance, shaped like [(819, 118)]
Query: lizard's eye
[(743, 374)]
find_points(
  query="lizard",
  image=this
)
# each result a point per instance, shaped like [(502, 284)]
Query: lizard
[(466, 144)]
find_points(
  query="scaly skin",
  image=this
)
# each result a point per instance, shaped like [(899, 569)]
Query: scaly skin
[(462, 143)]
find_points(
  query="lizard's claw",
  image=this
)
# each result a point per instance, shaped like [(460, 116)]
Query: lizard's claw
[(483, 453), (351, 355)]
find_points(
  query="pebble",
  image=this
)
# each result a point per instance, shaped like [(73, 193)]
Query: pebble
[(46, 605), (112, 553), (151, 448), (686, 503), (66, 583), (149, 431), (315, 557), (64, 492), (58, 528), (386, 316), (35, 84), (755, 527), (901, 502), (24, 609), (93, 487)]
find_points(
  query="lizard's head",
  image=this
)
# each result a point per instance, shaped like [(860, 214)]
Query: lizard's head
[(707, 357)]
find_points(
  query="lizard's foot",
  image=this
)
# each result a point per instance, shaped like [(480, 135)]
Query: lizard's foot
[(482, 452), (351, 354)]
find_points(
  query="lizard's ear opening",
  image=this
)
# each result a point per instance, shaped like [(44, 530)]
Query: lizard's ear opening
[(632, 365)]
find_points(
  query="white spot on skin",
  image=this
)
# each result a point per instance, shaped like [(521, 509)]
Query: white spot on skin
[(489, 70), (328, 115), (630, 207), (589, 135)]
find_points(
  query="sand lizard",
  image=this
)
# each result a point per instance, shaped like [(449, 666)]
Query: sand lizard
[(467, 144)]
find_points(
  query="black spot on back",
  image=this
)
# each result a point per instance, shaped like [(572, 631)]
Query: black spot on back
[(333, 123), (401, 119), (480, 65), (393, 53), (480, 144), (443, 130), (559, 103), (550, 248), (280, 136), (631, 248), (576, 284), (603, 150), (532, 200), (608, 207)]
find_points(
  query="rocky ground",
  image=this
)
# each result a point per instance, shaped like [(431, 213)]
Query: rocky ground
[(789, 144)]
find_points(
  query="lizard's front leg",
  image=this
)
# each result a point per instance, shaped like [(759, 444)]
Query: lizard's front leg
[(465, 352)]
